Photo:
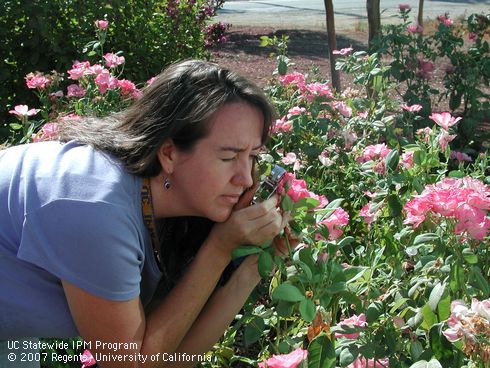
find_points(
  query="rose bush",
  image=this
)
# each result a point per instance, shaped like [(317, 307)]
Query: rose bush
[(393, 221)]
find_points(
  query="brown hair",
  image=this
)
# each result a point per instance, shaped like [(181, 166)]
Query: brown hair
[(177, 105)]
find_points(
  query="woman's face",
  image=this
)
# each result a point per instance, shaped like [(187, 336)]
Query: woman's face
[(209, 180)]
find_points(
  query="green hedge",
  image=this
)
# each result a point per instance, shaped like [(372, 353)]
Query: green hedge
[(47, 35)]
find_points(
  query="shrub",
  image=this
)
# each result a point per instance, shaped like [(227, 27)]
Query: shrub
[(45, 35)]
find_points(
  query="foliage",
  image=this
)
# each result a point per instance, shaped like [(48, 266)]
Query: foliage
[(460, 52), (394, 222), (47, 35)]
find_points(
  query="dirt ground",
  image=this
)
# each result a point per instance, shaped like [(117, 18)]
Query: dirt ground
[(306, 49)]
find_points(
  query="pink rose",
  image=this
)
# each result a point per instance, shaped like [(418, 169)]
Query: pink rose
[(281, 125), (106, 81), (112, 60), (48, 132), (23, 110), (295, 111), (74, 90), (415, 28), (404, 7), (101, 24), (87, 359), (293, 78), (362, 362), (412, 108), (290, 360), (334, 222), (37, 81), (359, 321), (444, 120)]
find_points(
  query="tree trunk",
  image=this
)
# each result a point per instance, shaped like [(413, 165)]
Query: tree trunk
[(374, 19), (420, 17), (332, 45)]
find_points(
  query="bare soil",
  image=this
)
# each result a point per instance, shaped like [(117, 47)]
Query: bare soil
[(306, 48)]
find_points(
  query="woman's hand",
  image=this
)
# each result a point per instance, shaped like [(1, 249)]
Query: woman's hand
[(282, 247), (249, 224)]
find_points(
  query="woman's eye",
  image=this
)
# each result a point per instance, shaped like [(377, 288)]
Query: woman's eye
[(229, 159)]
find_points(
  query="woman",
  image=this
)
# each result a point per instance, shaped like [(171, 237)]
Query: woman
[(82, 221)]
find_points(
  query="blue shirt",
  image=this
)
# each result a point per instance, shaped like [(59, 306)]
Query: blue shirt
[(67, 212)]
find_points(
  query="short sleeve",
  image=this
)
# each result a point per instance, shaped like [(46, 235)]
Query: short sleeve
[(93, 245)]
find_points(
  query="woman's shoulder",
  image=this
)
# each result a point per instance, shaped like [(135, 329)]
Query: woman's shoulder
[(54, 170)]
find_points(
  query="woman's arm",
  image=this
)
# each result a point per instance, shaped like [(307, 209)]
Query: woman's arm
[(100, 320), (219, 312)]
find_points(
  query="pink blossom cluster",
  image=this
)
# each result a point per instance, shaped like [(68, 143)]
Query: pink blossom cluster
[(113, 60), (37, 80), (48, 132), (376, 153), (444, 19), (362, 362), (309, 91), (339, 218), (281, 125), (291, 159), (342, 108), (407, 159), (471, 326), (404, 7), (291, 360), (369, 212), (354, 321), (415, 28), (297, 189), (103, 78), (466, 200)]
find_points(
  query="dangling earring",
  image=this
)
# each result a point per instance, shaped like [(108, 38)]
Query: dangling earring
[(167, 184)]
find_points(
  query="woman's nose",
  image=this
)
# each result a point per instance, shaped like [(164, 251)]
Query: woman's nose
[(243, 176)]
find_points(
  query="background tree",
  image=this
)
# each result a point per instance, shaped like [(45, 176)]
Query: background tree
[(420, 16), (332, 44), (374, 19)]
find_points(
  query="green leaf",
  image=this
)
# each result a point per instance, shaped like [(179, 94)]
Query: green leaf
[(287, 292), (373, 311), (321, 353), (264, 41), (456, 174), (336, 287), (469, 256), (394, 205), (429, 316), (392, 160), (253, 331), (348, 355), (416, 349), (287, 204), (425, 238), (435, 296), (307, 309), (441, 347), (15, 126), (444, 307), (282, 67), (265, 264), (245, 250), (346, 241)]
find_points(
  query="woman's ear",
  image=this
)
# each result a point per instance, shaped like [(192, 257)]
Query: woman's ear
[(167, 155)]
